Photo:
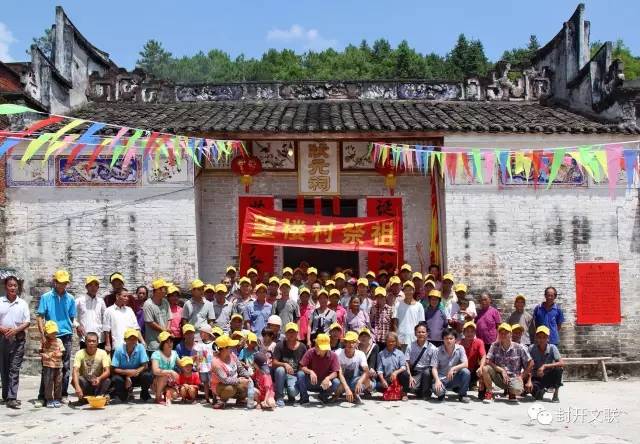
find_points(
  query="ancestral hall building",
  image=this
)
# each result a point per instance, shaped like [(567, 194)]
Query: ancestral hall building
[(182, 221)]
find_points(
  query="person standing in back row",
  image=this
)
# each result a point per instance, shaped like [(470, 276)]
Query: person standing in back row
[(156, 315), (287, 309)]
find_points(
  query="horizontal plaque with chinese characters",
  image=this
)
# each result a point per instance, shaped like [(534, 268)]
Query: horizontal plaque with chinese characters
[(318, 168), (283, 228)]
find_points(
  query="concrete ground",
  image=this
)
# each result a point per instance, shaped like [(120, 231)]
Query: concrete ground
[(589, 412)]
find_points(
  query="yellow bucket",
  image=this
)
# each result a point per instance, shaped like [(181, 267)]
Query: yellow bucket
[(96, 402)]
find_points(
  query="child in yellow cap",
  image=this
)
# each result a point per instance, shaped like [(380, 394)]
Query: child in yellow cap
[(51, 354), (248, 351), (188, 381)]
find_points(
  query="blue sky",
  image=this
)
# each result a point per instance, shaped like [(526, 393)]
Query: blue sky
[(251, 27)]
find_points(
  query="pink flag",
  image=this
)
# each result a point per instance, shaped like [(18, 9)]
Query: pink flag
[(489, 164), (614, 153)]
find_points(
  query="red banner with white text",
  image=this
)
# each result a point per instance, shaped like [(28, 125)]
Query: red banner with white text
[(259, 257), (267, 227), (391, 207)]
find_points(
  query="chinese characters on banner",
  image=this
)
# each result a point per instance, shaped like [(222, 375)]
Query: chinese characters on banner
[(597, 293), (268, 227), (259, 257), (391, 207), (318, 168)]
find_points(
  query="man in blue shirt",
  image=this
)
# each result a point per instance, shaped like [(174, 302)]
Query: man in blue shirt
[(60, 306), (257, 312), (130, 368), (550, 315)]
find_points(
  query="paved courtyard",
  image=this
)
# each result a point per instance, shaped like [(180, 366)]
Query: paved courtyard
[(590, 412)]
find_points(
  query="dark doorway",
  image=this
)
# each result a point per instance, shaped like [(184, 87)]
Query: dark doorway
[(323, 260)]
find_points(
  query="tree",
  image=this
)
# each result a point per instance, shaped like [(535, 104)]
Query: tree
[(408, 63), (44, 42), (467, 58), (155, 59), (522, 56)]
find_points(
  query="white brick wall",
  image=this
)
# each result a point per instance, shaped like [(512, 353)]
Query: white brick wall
[(142, 232), (218, 212), (521, 240)]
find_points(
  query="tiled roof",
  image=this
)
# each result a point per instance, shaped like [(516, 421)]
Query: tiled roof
[(328, 116)]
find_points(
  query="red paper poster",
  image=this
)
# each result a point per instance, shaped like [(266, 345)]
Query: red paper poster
[(386, 206), (597, 293), (269, 227), (259, 257)]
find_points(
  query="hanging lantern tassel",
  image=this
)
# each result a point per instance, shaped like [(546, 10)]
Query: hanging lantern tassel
[(390, 182), (246, 180)]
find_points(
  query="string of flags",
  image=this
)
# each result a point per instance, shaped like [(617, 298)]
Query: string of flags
[(64, 137), (600, 161)]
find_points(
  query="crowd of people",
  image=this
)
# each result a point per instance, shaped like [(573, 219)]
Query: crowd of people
[(269, 341)]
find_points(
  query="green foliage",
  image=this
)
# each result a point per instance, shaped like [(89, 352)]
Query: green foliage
[(622, 52), (522, 56), (44, 42)]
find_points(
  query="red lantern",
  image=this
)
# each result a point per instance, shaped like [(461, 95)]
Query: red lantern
[(246, 167), (390, 172)]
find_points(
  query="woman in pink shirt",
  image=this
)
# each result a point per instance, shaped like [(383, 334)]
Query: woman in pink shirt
[(173, 297), (306, 308)]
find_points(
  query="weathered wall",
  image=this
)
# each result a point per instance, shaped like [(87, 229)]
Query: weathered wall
[(218, 212), (143, 233), (520, 240)]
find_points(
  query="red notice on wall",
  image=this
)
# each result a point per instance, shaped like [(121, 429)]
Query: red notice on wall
[(597, 293)]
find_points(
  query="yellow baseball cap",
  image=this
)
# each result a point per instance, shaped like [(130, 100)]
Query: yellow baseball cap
[(409, 284), (329, 282), (363, 281), (158, 283), (515, 327), (435, 294), (448, 277), (61, 276), (118, 276), (406, 267), (291, 326), (217, 331), (163, 336), (197, 283), (520, 296), (188, 327), (351, 336), (251, 337), (130, 332), (225, 341), (274, 279), (339, 276), (543, 329), (334, 292), (394, 280), (429, 282), (335, 325), (90, 279), (460, 287), (323, 292), (260, 287), (285, 281), (469, 324), (364, 331), (252, 270), (313, 270), (286, 270), (237, 316), (417, 275), (185, 360), (380, 291), (238, 333), (210, 287), (244, 280), (383, 271), (304, 290), (323, 342), (172, 289), (50, 327), (504, 326), (231, 268), (370, 274), (220, 287)]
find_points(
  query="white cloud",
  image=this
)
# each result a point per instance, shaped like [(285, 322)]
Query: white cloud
[(6, 39), (298, 35)]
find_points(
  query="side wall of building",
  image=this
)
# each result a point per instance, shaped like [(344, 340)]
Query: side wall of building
[(519, 240), (218, 216)]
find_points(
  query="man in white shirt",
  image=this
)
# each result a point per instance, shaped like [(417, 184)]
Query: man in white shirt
[(90, 311), (354, 370), (117, 319), (407, 313), (14, 320)]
